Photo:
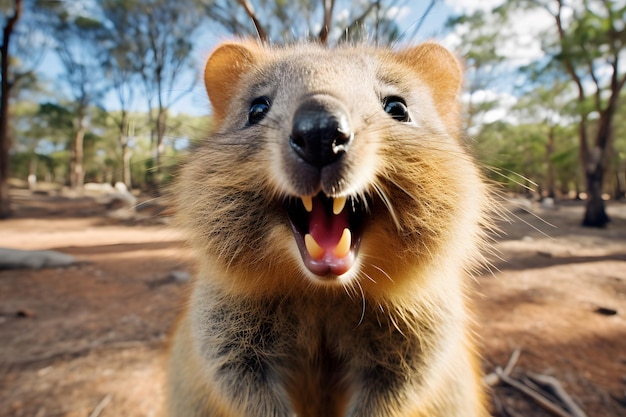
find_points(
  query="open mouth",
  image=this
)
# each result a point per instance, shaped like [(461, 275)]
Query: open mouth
[(328, 232)]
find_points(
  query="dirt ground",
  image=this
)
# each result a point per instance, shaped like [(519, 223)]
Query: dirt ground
[(89, 340)]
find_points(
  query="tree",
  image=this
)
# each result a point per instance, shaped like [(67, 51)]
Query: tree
[(590, 43), (478, 37), (619, 145), (281, 21), (5, 89), (76, 34), (119, 53), (39, 130), (545, 106), (120, 72), (161, 31)]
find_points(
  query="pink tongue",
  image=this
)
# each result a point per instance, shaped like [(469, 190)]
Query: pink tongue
[(326, 227)]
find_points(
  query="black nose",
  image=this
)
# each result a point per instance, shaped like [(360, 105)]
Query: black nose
[(321, 131)]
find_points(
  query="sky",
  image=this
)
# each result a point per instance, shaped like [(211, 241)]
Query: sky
[(196, 102), (526, 49)]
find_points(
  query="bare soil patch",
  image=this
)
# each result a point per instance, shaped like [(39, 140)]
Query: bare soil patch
[(93, 336)]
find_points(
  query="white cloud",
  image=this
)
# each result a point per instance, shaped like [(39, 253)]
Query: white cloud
[(398, 13), (494, 115), (519, 41), (525, 34), (485, 96), (451, 41), (342, 15), (471, 6), (504, 102)]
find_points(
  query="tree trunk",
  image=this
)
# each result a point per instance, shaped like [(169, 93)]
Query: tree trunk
[(77, 174), (126, 154), (160, 146), (327, 21), (5, 90), (126, 177), (595, 213), (5, 203), (595, 165), (550, 166), (620, 182)]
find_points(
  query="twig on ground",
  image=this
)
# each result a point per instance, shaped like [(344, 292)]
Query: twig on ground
[(557, 389), (545, 390), (512, 361), (539, 398), (493, 379), (536, 387), (101, 406)]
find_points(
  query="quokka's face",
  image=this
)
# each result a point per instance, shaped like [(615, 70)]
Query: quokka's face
[(339, 165)]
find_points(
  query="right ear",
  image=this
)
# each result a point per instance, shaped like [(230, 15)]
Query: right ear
[(441, 70), (223, 72)]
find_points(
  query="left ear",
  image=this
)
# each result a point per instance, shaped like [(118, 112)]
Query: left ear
[(442, 72), (223, 72)]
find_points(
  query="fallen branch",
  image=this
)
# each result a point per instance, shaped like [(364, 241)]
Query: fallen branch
[(557, 389), (536, 387), (539, 399), (545, 390)]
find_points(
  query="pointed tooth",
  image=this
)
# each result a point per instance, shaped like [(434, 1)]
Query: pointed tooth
[(343, 247), (314, 249), (338, 204), (307, 202)]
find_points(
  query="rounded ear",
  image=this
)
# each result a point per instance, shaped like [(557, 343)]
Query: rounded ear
[(223, 71), (442, 72)]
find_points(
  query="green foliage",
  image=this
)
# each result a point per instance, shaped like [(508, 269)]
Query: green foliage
[(570, 90)]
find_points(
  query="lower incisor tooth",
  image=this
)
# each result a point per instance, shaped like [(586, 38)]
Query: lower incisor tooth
[(343, 247), (314, 249)]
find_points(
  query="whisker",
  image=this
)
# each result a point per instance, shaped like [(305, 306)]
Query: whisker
[(496, 171), (547, 223), (388, 204), (347, 289), (382, 271), (363, 303)]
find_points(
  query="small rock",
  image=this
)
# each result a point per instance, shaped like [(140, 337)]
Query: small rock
[(25, 313), (180, 276), (97, 189), (33, 259), (605, 311), (547, 203), (114, 198)]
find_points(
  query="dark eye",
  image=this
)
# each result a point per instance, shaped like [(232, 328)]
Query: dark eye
[(396, 108), (258, 109)]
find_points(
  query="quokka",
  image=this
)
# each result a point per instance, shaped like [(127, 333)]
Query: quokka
[(334, 214)]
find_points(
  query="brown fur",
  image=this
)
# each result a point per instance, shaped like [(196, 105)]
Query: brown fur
[(261, 335)]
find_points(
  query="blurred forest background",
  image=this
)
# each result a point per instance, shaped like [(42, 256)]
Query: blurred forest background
[(91, 89), (102, 92)]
